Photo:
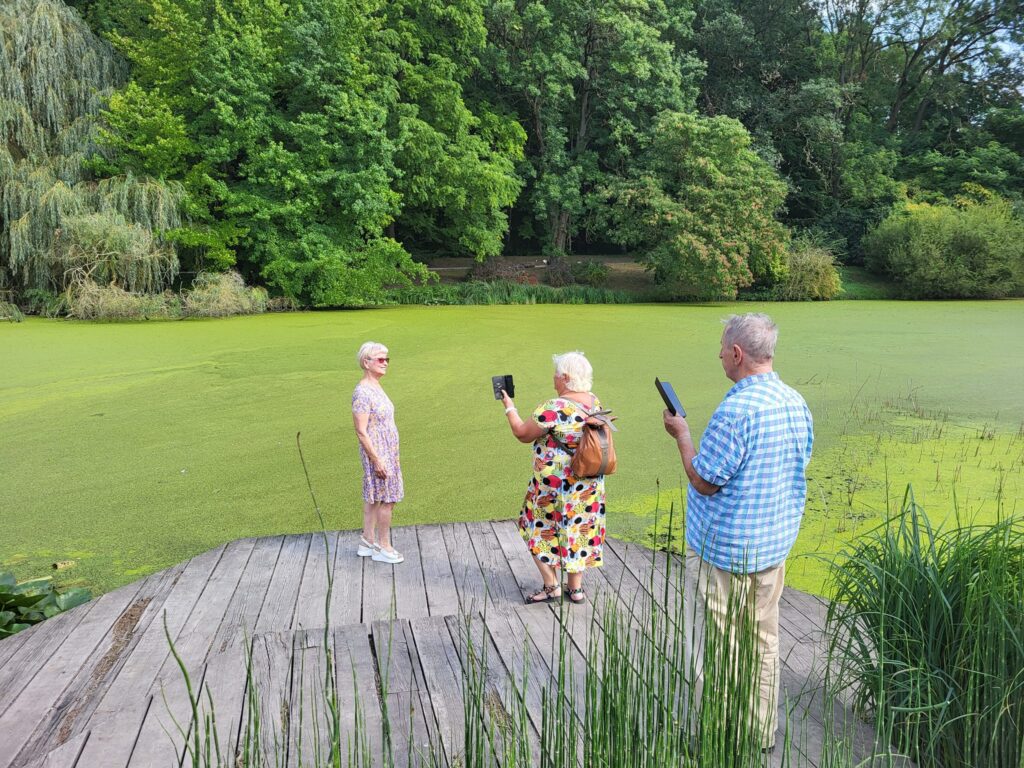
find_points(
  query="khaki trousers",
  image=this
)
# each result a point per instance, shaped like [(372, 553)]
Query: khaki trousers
[(715, 595)]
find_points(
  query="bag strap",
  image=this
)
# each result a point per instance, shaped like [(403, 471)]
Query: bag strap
[(603, 415)]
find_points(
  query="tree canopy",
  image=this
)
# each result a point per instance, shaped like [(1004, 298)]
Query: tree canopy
[(326, 148)]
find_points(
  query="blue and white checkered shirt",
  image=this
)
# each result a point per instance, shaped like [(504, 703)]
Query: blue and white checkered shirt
[(756, 448)]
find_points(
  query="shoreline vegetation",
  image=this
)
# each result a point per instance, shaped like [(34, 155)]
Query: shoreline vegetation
[(352, 144), (453, 282)]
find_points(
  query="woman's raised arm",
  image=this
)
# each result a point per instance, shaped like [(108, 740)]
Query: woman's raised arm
[(525, 431)]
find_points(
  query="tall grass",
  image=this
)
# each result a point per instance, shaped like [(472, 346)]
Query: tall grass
[(927, 631), (508, 292)]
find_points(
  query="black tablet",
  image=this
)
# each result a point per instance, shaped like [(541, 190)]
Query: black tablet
[(505, 382), (669, 396)]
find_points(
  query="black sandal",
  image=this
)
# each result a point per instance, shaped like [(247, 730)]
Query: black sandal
[(573, 596), (549, 595)]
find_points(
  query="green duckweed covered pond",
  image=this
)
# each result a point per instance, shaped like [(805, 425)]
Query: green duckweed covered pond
[(129, 447)]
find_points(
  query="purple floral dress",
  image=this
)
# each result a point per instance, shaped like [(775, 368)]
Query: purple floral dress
[(383, 434)]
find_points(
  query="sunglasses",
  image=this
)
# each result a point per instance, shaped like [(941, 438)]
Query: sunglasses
[(382, 360)]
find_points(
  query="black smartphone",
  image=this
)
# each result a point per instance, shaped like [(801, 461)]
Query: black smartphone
[(669, 396), (505, 382)]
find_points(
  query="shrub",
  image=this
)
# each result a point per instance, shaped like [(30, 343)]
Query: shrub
[(88, 301), (927, 629), (223, 294), (968, 249), (10, 312), (508, 293), (811, 274), (559, 273), (40, 301), (29, 602), (594, 273), (497, 269)]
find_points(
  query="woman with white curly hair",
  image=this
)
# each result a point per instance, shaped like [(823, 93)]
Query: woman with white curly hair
[(563, 516)]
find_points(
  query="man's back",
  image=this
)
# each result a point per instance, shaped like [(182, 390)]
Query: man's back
[(755, 448)]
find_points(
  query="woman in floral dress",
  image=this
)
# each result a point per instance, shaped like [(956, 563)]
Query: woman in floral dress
[(563, 516), (374, 417)]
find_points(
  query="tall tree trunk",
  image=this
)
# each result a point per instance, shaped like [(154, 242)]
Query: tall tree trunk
[(560, 232)]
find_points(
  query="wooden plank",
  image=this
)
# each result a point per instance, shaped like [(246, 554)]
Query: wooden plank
[(41, 642), (499, 582), (442, 675), (271, 675), (225, 676), (117, 718), (629, 591), (401, 684), (64, 756), (362, 725), (465, 567), (378, 590), (69, 714), (497, 688), (309, 732), (518, 557), (347, 596), (438, 579), (20, 720), (410, 590), (279, 603), (311, 610), (10, 645), (667, 589), (170, 697), (811, 607), (520, 657)]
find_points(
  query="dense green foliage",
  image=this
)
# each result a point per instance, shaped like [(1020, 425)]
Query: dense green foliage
[(29, 602), (319, 146), (970, 249), (928, 632), (701, 209), (310, 136)]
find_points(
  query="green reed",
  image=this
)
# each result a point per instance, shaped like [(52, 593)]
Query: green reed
[(927, 630)]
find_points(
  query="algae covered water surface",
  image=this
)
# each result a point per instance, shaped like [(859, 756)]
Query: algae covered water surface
[(129, 447)]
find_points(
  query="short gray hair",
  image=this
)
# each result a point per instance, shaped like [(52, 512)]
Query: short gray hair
[(754, 333), (577, 368), (368, 350)]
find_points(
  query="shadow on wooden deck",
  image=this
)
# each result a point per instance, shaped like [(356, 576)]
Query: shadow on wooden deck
[(97, 686)]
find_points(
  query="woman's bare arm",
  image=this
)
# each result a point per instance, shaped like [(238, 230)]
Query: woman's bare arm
[(525, 431)]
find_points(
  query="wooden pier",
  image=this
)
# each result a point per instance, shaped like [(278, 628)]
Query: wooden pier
[(97, 687)]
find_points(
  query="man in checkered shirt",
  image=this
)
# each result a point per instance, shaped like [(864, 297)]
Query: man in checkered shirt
[(745, 503)]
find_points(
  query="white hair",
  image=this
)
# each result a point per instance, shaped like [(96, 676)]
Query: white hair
[(577, 368), (754, 333), (368, 350)]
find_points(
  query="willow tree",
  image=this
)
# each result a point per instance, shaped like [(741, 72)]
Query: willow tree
[(58, 224)]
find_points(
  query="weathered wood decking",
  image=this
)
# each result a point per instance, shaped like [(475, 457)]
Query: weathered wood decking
[(97, 686)]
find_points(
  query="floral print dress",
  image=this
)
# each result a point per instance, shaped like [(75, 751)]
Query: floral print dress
[(563, 516), (383, 434)]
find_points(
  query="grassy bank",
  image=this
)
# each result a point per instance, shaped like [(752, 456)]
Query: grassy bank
[(130, 447)]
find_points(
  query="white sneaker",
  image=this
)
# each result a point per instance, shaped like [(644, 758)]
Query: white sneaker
[(392, 556), (366, 549)]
